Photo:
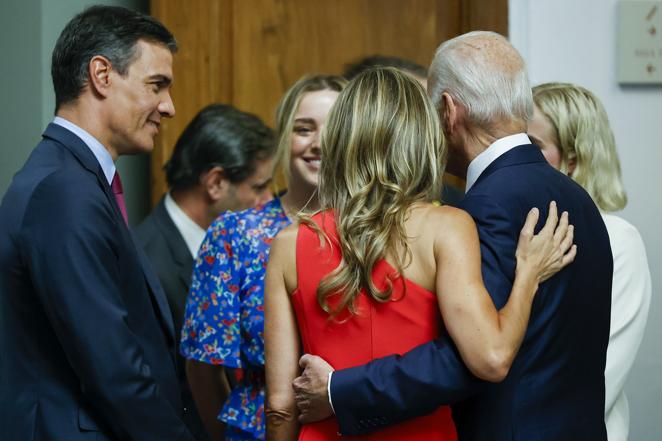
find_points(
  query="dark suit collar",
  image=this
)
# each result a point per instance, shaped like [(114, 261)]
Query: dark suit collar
[(179, 250), (156, 291), (82, 152), (76, 146), (176, 243), (523, 154)]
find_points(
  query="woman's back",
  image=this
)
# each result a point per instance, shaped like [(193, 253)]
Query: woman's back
[(383, 154), (411, 317)]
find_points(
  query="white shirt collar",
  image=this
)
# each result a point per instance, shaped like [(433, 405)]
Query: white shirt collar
[(191, 232), (496, 149), (99, 151)]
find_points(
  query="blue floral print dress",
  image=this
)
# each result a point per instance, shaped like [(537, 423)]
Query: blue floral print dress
[(224, 318)]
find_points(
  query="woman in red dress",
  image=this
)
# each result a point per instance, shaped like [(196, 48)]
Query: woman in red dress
[(373, 272)]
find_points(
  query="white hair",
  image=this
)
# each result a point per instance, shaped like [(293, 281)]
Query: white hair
[(485, 74)]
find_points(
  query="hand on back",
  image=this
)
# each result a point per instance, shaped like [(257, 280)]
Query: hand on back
[(549, 251)]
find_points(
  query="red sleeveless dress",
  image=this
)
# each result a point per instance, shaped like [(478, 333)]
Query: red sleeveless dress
[(380, 329)]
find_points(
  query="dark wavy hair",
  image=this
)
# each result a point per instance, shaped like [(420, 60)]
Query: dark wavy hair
[(219, 135), (110, 31)]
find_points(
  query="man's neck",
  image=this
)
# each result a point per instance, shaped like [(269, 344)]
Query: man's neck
[(500, 146), (477, 140), (89, 119), (193, 204)]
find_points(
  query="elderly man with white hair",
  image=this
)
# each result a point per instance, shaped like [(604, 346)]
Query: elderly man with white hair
[(554, 388)]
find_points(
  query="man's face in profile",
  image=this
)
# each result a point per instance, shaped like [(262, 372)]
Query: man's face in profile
[(139, 99)]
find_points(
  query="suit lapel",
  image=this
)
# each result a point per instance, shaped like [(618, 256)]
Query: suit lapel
[(87, 159), (156, 292), (522, 154), (179, 251)]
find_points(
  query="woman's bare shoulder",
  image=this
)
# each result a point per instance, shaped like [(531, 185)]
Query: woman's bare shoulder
[(283, 247), (443, 216), (444, 227), (282, 256), (287, 235)]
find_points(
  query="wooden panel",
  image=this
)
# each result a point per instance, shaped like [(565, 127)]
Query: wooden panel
[(201, 69), (449, 21), (290, 38), (485, 16), (248, 52)]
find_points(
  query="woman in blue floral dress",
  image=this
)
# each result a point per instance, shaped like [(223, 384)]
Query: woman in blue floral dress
[(224, 318)]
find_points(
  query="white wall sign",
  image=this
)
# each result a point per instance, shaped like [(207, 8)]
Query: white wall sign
[(640, 42)]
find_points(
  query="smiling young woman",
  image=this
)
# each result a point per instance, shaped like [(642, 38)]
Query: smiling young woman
[(224, 319)]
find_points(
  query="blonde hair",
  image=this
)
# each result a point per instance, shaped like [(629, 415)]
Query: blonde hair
[(382, 151), (287, 108), (583, 134)]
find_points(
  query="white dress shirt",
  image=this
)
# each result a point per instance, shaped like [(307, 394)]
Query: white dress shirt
[(99, 151), (192, 233), (630, 300), (489, 155)]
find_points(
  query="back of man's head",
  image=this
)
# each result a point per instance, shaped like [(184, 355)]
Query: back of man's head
[(109, 31), (219, 136), (485, 73)]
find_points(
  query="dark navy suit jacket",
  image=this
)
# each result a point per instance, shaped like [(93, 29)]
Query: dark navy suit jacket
[(555, 387), (85, 330), (172, 262)]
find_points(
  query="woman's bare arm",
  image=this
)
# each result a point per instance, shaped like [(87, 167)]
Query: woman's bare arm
[(488, 339), (281, 339)]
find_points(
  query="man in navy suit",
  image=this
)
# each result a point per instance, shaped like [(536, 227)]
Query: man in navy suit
[(86, 333), (554, 388)]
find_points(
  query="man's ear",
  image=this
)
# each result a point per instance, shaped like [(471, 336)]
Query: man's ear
[(449, 112), (99, 70), (215, 183)]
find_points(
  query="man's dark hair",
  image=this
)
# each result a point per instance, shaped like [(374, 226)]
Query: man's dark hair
[(109, 31), (354, 69), (219, 135)]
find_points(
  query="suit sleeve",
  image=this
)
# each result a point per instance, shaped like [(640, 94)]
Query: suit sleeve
[(69, 242), (397, 388)]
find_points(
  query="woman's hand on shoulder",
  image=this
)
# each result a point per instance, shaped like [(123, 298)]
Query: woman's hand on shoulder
[(549, 251)]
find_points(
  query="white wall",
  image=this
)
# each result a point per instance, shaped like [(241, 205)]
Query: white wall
[(576, 41)]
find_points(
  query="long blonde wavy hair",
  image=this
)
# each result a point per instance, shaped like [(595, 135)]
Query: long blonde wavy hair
[(382, 151), (584, 136)]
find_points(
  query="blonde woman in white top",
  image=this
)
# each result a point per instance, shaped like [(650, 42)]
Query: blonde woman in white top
[(571, 127)]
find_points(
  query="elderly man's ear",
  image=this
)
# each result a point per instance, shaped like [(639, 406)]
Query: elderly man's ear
[(450, 113)]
